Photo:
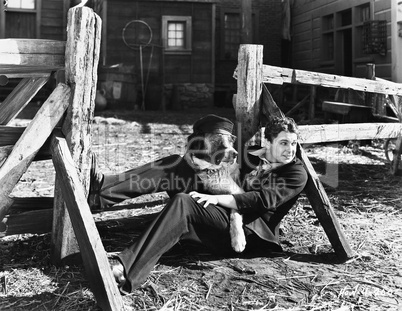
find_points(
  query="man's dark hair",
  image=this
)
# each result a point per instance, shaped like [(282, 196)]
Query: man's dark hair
[(275, 125)]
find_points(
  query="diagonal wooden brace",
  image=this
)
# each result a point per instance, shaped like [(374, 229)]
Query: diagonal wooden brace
[(254, 103), (93, 253), (34, 136), (20, 97), (314, 190)]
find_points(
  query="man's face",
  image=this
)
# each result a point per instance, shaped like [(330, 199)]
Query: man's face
[(283, 148)]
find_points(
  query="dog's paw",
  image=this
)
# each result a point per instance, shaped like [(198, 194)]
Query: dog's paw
[(237, 236)]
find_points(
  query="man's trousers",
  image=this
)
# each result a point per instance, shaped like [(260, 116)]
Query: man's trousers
[(181, 219)]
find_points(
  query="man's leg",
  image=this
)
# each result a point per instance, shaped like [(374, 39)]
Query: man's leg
[(161, 175), (182, 219)]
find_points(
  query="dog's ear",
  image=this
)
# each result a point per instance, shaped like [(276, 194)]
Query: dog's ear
[(197, 146)]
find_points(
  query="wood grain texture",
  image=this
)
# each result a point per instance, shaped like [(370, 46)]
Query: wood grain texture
[(93, 253), (33, 138), (82, 57)]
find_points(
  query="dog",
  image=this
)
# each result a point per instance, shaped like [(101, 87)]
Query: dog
[(213, 157)]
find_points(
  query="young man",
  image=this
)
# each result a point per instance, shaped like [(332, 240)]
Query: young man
[(272, 179)]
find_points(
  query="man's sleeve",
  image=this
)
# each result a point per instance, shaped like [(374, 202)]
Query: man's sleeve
[(275, 190)]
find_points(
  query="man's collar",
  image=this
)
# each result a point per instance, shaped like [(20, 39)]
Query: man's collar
[(261, 154)]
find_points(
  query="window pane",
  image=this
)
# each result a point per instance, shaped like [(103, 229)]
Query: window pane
[(328, 47), (14, 4), (365, 13), (346, 17), (21, 4), (28, 4), (176, 34), (231, 34), (328, 22)]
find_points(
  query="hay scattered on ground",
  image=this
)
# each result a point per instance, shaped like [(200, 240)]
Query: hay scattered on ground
[(306, 276)]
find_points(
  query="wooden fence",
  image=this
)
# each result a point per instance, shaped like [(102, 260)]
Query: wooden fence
[(61, 130), (254, 103)]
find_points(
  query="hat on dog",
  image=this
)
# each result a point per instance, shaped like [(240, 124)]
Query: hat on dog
[(213, 124)]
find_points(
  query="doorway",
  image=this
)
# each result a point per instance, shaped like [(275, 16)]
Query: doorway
[(347, 56)]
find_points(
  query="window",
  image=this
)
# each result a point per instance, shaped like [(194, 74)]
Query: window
[(328, 38), (21, 4), (20, 18), (363, 15), (175, 35), (176, 32), (231, 33), (342, 38)]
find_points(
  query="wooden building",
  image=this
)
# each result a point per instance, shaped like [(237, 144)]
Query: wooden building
[(343, 36), (34, 19), (139, 48), (160, 54)]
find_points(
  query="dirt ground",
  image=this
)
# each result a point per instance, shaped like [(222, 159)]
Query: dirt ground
[(306, 276)]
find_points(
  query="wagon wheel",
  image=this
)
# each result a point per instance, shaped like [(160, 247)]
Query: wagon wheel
[(389, 148)]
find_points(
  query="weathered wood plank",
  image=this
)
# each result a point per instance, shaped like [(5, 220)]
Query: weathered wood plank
[(9, 135), (249, 90), (20, 97), (4, 153), (315, 192), (32, 52), (82, 57), (343, 108), (34, 222), (279, 75), (93, 253), (311, 134), (17, 71), (30, 142), (32, 203), (47, 61), (32, 46)]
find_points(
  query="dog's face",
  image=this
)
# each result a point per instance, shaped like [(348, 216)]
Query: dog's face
[(216, 149)]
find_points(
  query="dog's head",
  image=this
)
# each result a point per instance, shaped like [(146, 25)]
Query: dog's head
[(211, 145), (216, 149)]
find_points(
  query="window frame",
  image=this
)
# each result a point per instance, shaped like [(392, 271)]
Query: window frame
[(254, 21), (23, 9), (334, 19), (187, 20)]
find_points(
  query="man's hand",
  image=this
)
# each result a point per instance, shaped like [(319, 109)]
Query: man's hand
[(202, 197)]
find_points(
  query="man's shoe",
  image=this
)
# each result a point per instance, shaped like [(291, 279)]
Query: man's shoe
[(95, 184)]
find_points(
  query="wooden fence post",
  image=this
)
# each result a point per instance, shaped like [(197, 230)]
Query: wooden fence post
[(249, 82), (81, 60), (396, 162), (251, 104)]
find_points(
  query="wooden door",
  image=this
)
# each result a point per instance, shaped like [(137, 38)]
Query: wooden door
[(20, 25)]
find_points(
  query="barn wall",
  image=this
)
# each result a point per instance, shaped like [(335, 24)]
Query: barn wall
[(52, 20), (307, 37), (268, 33), (155, 68)]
